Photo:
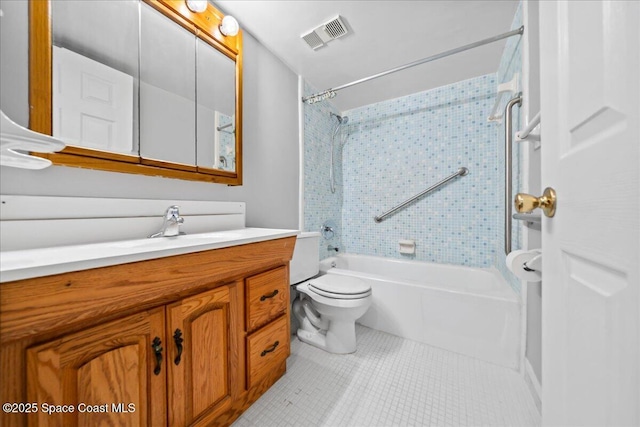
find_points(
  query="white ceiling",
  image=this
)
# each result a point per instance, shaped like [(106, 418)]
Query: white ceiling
[(383, 35)]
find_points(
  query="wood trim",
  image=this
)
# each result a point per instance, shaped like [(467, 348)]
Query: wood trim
[(168, 165), (239, 109), (212, 171), (100, 154), (287, 313), (238, 371), (40, 80), (51, 305), (133, 168)]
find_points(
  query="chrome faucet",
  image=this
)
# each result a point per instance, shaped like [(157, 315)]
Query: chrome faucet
[(171, 225)]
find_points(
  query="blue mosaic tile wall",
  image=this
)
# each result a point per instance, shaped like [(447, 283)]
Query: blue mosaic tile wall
[(320, 204), (397, 148)]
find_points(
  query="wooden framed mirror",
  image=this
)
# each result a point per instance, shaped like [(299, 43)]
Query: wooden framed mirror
[(137, 86)]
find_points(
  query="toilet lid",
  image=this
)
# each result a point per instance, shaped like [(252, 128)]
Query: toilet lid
[(337, 286)]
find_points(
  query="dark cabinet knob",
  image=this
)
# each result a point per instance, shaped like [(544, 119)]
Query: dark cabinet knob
[(156, 345), (177, 338)]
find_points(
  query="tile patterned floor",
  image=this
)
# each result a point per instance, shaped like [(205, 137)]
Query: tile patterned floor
[(391, 381)]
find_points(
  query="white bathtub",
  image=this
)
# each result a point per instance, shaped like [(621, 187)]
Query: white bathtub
[(471, 311)]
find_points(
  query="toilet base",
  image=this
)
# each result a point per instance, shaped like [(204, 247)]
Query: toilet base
[(340, 338)]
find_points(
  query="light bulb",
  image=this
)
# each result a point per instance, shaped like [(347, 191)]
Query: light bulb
[(229, 26), (197, 6)]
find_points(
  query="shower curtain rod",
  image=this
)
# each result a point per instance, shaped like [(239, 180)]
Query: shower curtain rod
[(330, 93)]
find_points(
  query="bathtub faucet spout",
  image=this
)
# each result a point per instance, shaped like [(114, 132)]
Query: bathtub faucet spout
[(333, 248)]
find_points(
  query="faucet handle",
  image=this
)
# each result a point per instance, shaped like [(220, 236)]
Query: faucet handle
[(173, 211), (327, 231)]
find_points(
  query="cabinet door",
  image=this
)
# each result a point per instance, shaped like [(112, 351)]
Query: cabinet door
[(200, 372), (105, 375)]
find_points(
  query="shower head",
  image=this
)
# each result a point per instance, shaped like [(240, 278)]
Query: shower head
[(342, 120)]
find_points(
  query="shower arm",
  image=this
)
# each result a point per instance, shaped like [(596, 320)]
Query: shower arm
[(330, 93)]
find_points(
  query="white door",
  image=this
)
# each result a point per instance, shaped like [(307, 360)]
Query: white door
[(92, 103), (590, 96)]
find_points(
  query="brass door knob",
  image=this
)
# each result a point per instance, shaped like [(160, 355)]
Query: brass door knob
[(525, 203)]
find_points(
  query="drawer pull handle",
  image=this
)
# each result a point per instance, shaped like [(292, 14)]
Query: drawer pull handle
[(157, 350), (177, 338), (267, 296), (270, 349)]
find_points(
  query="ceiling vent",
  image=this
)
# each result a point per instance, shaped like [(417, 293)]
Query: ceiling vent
[(335, 28), (326, 32), (313, 40)]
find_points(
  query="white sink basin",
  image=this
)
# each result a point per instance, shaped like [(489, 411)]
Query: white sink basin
[(23, 264), (185, 240)]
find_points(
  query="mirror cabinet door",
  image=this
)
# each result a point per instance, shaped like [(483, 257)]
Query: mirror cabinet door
[(216, 95), (137, 86), (167, 91), (95, 74)]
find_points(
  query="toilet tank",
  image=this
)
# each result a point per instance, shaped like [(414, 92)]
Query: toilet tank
[(306, 257)]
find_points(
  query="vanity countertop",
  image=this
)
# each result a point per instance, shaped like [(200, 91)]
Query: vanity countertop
[(29, 263)]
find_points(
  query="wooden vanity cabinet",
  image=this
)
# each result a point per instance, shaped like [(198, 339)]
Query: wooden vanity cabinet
[(143, 366), (151, 343)]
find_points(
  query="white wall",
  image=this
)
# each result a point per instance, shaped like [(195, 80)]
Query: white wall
[(270, 139), (14, 67), (271, 146)]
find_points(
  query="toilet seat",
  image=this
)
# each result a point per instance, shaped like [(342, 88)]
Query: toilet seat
[(339, 287)]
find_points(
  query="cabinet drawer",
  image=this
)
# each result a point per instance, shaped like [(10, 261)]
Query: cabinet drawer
[(267, 297), (266, 348)]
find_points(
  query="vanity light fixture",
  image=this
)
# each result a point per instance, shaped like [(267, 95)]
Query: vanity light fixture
[(197, 6), (229, 26)]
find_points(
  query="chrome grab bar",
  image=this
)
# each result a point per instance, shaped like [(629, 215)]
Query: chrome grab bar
[(508, 154), (461, 172)]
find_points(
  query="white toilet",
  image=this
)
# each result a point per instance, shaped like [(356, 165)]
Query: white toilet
[(329, 305)]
